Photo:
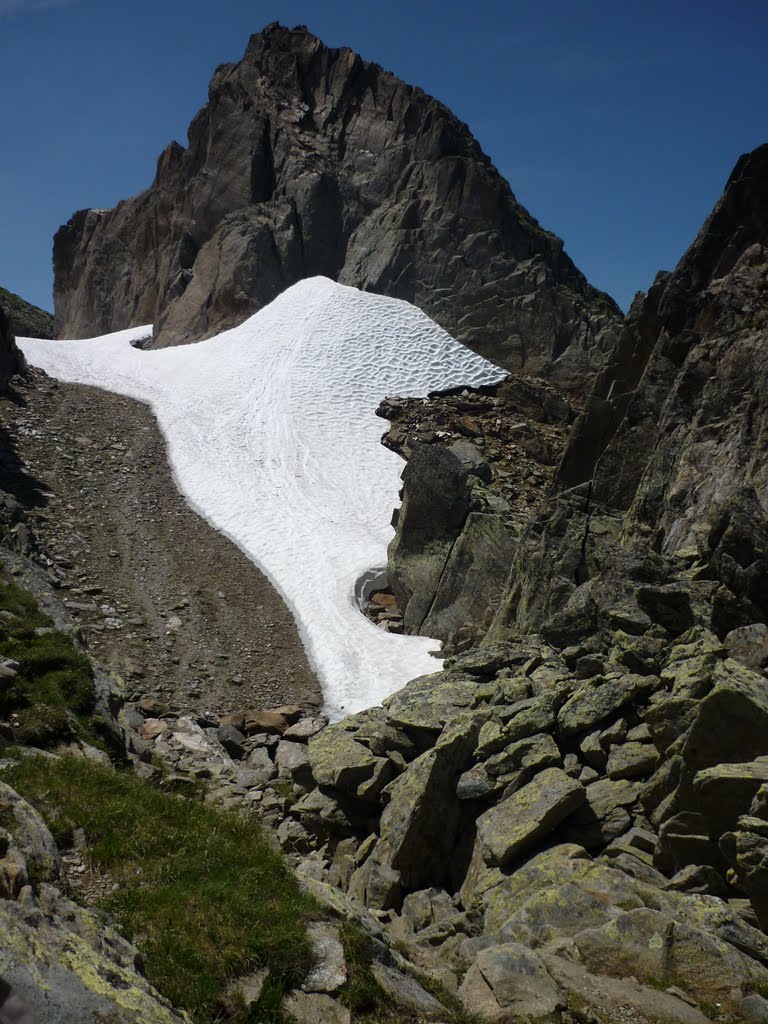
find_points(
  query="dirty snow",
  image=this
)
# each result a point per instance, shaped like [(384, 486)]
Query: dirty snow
[(272, 437)]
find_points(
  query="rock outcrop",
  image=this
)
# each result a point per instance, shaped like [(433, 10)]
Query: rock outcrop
[(28, 321), (309, 160), (11, 359), (660, 503)]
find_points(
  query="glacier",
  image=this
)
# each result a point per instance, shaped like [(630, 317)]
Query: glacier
[(272, 437)]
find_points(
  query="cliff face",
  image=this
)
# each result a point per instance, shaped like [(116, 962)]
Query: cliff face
[(667, 467), (309, 160)]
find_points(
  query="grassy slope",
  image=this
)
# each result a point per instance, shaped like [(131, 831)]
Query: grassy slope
[(28, 321), (199, 890)]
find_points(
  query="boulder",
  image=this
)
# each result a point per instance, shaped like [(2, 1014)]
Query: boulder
[(653, 946), (508, 983), (604, 814), (599, 699), (419, 825), (611, 1000), (512, 827), (337, 760), (405, 992), (315, 1008), (329, 968), (30, 836), (632, 761)]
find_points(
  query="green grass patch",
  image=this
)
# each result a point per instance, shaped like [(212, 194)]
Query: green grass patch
[(200, 891), (52, 697)]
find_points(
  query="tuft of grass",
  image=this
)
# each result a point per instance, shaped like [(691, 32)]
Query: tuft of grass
[(199, 890), (52, 698)]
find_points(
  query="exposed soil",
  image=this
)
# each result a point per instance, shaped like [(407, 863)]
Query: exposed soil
[(164, 599)]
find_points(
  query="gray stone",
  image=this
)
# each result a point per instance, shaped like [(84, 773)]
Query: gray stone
[(329, 970), (598, 699), (405, 991), (749, 645), (30, 836), (339, 761), (508, 983), (632, 761), (315, 1008), (603, 816), (420, 823), (611, 1000), (513, 826)]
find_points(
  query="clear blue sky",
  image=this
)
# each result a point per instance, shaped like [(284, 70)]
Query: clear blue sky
[(616, 123)]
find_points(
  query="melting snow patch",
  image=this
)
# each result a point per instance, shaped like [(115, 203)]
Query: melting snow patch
[(273, 438)]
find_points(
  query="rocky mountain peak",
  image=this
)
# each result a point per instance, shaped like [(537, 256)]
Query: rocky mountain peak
[(309, 160)]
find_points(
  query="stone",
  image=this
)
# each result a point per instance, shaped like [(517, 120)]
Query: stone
[(747, 853), (508, 983), (304, 729), (754, 1009), (232, 741), (428, 703), (248, 989), (30, 836), (329, 970), (405, 991), (513, 826), (654, 946), (291, 758), (632, 761), (255, 721), (54, 946), (612, 1000), (151, 728), (320, 814), (419, 825), (727, 790), (598, 699), (749, 645), (314, 1008), (338, 760), (342, 906), (528, 756), (699, 878), (603, 816)]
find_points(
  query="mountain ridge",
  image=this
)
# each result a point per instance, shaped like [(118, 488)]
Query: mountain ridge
[(309, 160)]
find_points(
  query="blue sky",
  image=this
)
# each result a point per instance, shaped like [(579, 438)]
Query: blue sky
[(616, 124)]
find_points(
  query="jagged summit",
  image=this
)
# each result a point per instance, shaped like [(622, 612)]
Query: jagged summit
[(309, 160)]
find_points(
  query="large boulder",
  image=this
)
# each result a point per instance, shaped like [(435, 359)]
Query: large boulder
[(513, 826), (510, 983)]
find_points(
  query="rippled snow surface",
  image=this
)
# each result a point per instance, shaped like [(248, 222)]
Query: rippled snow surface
[(272, 437)]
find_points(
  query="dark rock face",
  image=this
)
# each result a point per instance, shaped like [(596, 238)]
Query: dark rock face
[(11, 359), (676, 428), (308, 160), (666, 470)]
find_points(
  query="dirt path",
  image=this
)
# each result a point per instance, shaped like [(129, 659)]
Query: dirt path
[(164, 599)]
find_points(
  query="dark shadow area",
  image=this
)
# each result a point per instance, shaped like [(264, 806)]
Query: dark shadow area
[(14, 478)]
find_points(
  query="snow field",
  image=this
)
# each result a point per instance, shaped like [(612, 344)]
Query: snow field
[(273, 438)]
